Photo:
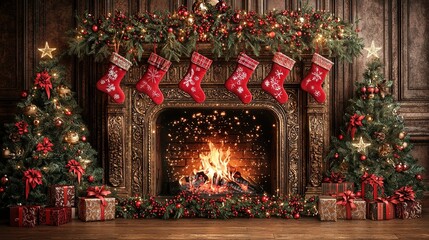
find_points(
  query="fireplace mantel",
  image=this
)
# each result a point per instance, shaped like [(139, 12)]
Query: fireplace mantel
[(303, 124)]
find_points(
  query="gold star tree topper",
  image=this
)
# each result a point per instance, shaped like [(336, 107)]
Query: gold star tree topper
[(361, 145), (372, 51), (47, 51)]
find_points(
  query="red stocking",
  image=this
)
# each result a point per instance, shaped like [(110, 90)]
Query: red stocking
[(110, 82), (237, 82), (273, 83), (312, 83), (191, 83), (149, 83)]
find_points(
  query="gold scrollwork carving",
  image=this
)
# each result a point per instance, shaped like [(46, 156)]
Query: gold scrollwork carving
[(115, 138)]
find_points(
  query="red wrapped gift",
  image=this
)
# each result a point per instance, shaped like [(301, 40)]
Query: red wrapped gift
[(372, 187), (409, 210), (381, 209), (62, 196), (55, 216), (24, 216), (336, 188)]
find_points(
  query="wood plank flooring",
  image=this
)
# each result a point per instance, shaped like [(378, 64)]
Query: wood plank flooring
[(305, 228)]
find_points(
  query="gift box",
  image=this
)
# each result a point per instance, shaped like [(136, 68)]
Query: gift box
[(62, 196), (329, 188), (24, 216), (74, 213), (92, 209), (55, 216), (327, 207), (409, 209), (372, 187), (381, 210), (359, 213)]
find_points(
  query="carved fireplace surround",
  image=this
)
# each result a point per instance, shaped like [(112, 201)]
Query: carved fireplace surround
[(302, 131)]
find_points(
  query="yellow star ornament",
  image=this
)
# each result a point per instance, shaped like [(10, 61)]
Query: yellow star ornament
[(361, 145), (372, 51), (47, 51)]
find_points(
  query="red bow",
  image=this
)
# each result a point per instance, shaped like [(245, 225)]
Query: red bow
[(75, 167), (354, 122), (382, 200), (32, 178), (98, 192), (334, 178), (43, 80), (45, 146), (22, 127), (372, 179), (347, 200), (403, 194)]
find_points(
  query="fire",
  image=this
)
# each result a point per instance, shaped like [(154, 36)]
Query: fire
[(215, 174)]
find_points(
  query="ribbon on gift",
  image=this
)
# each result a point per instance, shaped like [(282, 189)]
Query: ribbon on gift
[(381, 204), (32, 178), (355, 121), (347, 200), (334, 178), (403, 194), (75, 167), (374, 181), (99, 192)]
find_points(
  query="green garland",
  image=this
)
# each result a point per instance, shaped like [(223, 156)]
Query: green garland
[(227, 32), (191, 205)]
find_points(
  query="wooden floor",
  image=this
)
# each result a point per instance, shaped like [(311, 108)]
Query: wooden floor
[(305, 228)]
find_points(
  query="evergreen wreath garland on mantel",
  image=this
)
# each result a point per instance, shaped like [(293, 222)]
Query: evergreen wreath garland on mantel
[(227, 32)]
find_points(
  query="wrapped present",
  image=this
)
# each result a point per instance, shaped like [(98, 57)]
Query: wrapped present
[(349, 207), (327, 207), (55, 216), (372, 187), (62, 196), (409, 210), (381, 209), (336, 188), (96, 206), (24, 216), (74, 213)]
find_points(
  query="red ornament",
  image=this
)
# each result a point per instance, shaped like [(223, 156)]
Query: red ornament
[(405, 167), (221, 6), (170, 30), (178, 205), (90, 179), (336, 155), (340, 137), (67, 112), (358, 194), (271, 34), (24, 94), (138, 204), (296, 216), (363, 89), (419, 177), (94, 28), (370, 89), (399, 168), (236, 17), (4, 180), (1, 189), (362, 157), (376, 90), (299, 33), (83, 138)]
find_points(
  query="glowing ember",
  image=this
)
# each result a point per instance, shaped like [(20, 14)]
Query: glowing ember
[(215, 175)]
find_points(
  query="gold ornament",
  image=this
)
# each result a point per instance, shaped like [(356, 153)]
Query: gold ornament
[(36, 122), (372, 51), (402, 135), (371, 96), (6, 153), (30, 110), (46, 51), (199, 7), (384, 150), (58, 122), (71, 138), (405, 144), (369, 118), (85, 162), (63, 90), (361, 145)]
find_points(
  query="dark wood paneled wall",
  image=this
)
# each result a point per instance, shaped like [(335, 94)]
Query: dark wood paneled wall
[(400, 27)]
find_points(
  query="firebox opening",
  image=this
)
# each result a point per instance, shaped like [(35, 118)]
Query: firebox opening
[(216, 151)]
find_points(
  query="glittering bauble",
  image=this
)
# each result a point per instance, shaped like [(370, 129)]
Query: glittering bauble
[(236, 17), (178, 205), (63, 90), (90, 179), (30, 110), (71, 138), (362, 157), (340, 137), (221, 6), (369, 118), (402, 135), (138, 204), (399, 168), (405, 167), (6, 153), (36, 122), (296, 216), (271, 34), (376, 90), (94, 28), (419, 177), (24, 94), (183, 11), (58, 122), (371, 96), (4, 180)]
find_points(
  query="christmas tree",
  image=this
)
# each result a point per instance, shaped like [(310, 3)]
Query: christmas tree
[(47, 143), (374, 139)]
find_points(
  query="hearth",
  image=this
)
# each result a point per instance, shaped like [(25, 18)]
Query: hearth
[(274, 148)]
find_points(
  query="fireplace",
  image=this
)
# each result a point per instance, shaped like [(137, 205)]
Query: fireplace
[(274, 148)]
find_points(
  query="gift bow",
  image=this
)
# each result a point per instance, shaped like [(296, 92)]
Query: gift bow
[(45, 146), (334, 178), (75, 167), (348, 198), (403, 194), (98, 192), (43, 80), (32, 178), (355, 121), (372, 179)]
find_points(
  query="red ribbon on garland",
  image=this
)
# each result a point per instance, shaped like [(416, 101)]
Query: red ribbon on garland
[(43, 80), (45, 146), (374, 181), (32, 178), (75, 167), (403, 194), (355, 121), (347, 200)]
